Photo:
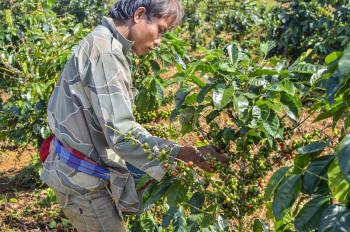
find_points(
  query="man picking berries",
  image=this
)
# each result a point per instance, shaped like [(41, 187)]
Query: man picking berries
[(91, 164)]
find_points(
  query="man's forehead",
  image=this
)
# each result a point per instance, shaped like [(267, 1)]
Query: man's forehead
[(166, 21)]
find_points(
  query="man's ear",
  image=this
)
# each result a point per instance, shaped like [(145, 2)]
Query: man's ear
[(139, 14)]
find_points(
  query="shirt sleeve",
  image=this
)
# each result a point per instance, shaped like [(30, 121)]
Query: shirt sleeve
[(108, 83)]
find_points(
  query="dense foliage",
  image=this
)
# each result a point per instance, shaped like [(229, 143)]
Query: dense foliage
[(232, 92), (313, 193), (320, 25), (33, 51)]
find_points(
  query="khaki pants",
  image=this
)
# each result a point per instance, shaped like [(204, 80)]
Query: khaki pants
[(94, 212)]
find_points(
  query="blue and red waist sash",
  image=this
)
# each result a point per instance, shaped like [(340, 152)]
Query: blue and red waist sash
[(79, 161)]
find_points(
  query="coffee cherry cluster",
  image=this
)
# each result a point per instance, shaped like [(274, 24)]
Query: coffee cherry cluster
[(151, 116)]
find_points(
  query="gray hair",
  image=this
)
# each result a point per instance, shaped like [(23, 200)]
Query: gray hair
[(125, 9)]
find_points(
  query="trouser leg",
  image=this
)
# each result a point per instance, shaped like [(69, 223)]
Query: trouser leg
[(95, 212)]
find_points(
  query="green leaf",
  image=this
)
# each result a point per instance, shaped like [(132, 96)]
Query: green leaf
[(300, 162), (156, 193), (260, 226), (180, 97), (343, 154), (188, 119), (285, 195), (339, 187), (291, 105), (222, 96), (197, 81), (212, 115), (344, 63), (222, 223), (333, 57), (52, 224), (312, 148), (302, 57), (309, 216), (289, 88), (169, 216), (317, 75), (176, 193), (180, 221), (335, 218), (196, 202), (262, 72), (148, 224), (274, 181), (233, 52), (272, 126), (258, 82), (305, 68), (241, 103), (265, 48), (203, 92), (330, 113), (195, 222), (314, 171)]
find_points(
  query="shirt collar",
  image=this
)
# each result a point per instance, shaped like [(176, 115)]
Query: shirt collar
[(109, 23)]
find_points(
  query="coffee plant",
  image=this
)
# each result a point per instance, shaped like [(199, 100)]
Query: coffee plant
[(33, 50), (247, 108), (300, 25), (314, 192), (88, 12), (235, 96)]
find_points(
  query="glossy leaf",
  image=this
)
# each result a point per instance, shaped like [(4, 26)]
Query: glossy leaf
[(222, 96), (180, 98), (176, 193), (309, 216), (305, 68), (196, 202), (274, 181), (180, 223), (233, 52), (344, 63), (343, 154), (169, 216), (315, 172), (266, 47), (204, 91), (285, 195), (335, 218), (291, 105), (300, 162), (148, 225), (260, 226), (312, 148), (333, 57), (338, 185), (241, 103), (156, 193)]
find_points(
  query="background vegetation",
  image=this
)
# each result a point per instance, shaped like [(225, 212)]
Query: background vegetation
[(265, 81)]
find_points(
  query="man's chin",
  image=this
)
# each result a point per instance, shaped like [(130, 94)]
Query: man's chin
[(141, 52)]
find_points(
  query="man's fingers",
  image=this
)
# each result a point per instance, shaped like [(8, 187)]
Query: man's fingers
[(210, 150), (222, 158), (205, 166)]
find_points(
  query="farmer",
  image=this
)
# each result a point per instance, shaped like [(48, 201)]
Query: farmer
[(91, 162)]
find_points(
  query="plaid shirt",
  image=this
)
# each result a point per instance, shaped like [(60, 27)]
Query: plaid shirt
[(94, 90)]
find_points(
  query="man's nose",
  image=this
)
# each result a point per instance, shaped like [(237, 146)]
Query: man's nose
[(157, 41)]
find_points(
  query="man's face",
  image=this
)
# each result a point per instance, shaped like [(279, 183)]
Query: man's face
[(147, 34)]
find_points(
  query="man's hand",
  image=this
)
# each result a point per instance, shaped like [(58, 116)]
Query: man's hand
[(199, 156), (210, 150)]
